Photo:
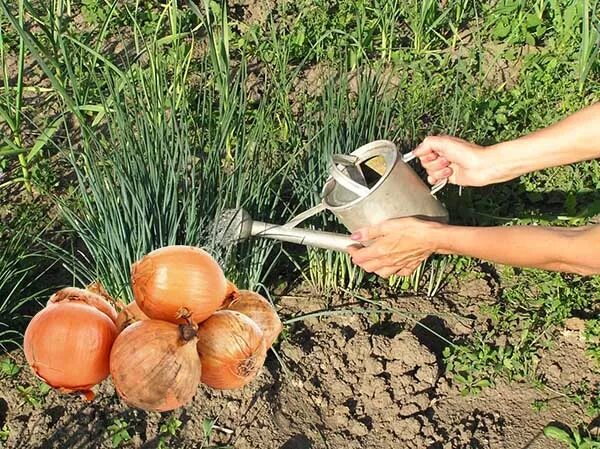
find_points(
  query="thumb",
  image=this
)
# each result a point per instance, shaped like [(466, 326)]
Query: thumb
[(368, 233)]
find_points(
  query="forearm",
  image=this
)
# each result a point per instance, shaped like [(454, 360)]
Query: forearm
[(574, 139), (557, 249)]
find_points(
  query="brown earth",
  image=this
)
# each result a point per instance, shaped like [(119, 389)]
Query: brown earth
[(349, 381)]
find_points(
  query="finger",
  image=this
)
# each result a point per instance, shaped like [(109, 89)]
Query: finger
[(374, 265), (442, 174), (434, 144), (386, 272), (405, 271), (423, 151), (438, 164), (369, 233), (432, 156), (369, 253)]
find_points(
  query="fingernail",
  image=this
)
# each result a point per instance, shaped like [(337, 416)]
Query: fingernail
[(356, 235)]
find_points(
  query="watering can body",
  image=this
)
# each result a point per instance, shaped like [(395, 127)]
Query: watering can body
[(395, 189)]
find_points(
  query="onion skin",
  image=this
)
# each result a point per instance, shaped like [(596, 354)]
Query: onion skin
[(129, 315), (154, 365), (178, 282), (232, 350), (86, 297), (231, 293), (257, 308), (68, 345)]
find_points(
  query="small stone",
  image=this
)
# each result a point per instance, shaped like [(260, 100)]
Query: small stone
[(427, 374), (409, 409), (407, 429), (554, 371), (357, 428), (575, 324)]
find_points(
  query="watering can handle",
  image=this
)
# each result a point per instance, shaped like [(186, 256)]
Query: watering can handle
[(304, 215), (437, 186)]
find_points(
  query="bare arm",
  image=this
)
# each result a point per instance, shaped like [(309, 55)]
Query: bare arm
[(574, 139), (399, 245), (574, 250)]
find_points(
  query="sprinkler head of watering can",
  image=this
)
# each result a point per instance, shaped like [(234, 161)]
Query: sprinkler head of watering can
[(233, 225)]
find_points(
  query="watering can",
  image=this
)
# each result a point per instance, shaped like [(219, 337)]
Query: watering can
[(372, 184)]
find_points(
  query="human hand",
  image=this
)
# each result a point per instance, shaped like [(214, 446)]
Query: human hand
[(463, 163), (396, 246)]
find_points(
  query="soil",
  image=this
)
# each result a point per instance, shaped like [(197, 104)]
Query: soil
[(348, 381)]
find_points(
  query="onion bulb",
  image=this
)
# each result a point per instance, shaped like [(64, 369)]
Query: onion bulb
[(154, 365), (232, 350), (129, 315), (260, 311), (85, 297), (68, 343), (177, 282), (231, 293)]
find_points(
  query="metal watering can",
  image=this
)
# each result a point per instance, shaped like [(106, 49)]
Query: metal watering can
[(372, 184)]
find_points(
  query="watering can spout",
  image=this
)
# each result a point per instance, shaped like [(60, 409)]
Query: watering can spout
[(235, 225)]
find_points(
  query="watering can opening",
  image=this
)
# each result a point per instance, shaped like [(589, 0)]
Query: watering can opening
[(367, 173)]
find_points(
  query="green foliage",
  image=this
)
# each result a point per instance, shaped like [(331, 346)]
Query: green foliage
[(34, 395), (118, 432), (9, 367), (573, 438), (208, 426), (167, 431), (592, 338), (19, 268), (4, 434)]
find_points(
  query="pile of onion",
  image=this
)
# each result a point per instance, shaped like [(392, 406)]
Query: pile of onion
[(67, 344), (260, 311), (232, 350), (154, 365), (187, 324), (177, 281)]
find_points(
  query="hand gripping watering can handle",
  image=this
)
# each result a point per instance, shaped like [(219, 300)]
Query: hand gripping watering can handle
[(438, 186)]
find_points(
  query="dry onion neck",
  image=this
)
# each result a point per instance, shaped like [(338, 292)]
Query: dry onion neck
[(188, 331)]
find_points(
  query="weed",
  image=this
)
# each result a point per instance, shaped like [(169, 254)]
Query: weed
[(573, 438), (540, 405), (167, 431), (9, 367), (592, 338), (34, 395), (208, 425), (118, 432), (4, 434)]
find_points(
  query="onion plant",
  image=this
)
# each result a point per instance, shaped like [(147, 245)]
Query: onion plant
[(156, 157), (18, 272), (590, 41)]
